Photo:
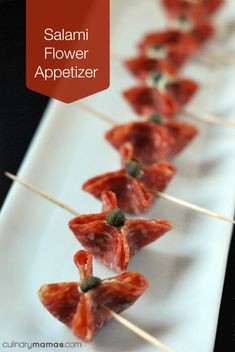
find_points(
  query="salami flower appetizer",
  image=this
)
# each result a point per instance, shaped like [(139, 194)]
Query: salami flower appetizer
[(152, 140), (169, 47), (212, 6), (202, 8), (161, 91), (201, 31), (191, 19), (82, 306), (135, 186), (143, 98), (141, 66), (111, 237)]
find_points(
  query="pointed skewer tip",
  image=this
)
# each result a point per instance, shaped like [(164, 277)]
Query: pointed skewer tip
[(9, 175)]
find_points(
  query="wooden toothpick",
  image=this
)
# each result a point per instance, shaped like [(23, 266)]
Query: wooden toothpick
[(101, 115), (188, 113), (195, 207), (41, 193), (139, 331), (159, 194), (132, 327), (205, 117), (219, 56)]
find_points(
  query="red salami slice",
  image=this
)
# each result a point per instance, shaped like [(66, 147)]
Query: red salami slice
[(171, 47), (176, 8), (112, 238), (146, 141), (151, 142), (191, 19), (161, 92), (179, 88), (82, 306), (143, 98), (135, 194), (203, 32), (202, 8), (61, 300), (183, 133), (83, 261), (157, 176), (212, 5), (141, 66), (109, 201), (182, 90)]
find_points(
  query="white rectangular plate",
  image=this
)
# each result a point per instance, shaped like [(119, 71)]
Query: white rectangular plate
[(185, 268)]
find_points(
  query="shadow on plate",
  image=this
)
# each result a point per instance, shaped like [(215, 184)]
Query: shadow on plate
[(114, 337), (163, 270)]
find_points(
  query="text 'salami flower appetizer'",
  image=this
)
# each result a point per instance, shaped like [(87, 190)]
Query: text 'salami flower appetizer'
[(170, 47), (152, 140), (111, 237), (206, 7), (135, 186), (82, 306), (161, 91)]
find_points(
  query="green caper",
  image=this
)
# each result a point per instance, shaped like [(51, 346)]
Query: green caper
[(133, 168), (157, 47), (116, 218), (88, 283), (156, 76), (182, 18), (157, 118)]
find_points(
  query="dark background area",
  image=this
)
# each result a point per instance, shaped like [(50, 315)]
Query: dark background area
[(20, 113)]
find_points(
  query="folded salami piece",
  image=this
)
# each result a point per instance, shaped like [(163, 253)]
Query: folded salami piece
[(212, 6), (111, 237), (202, 32), (169, 47), (82, 306), (152, 140), (143, 98), (134, 186), (190, 18), (161, 91), (201, 8), (140, 66)]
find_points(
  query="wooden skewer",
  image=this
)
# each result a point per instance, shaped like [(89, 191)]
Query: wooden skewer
[(101, 115), (41, 193), (138, 331), (195, 207), (188, 113), (222, 57), (209, 118)]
